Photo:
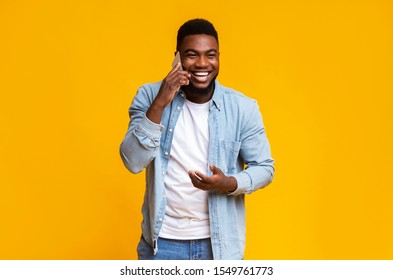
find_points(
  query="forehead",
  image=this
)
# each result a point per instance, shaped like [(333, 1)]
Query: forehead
[(199, 42)]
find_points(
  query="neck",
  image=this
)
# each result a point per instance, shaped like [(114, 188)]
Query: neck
[(199, 95)]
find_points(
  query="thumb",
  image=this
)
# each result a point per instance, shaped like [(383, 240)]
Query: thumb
[(215, 169)]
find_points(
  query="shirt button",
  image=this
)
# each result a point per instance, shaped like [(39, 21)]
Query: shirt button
[(166, 153), (163, 173), (160, 219), (182, 94), (178, 108), (170, 130)]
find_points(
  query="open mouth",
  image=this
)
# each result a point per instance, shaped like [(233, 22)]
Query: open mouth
[(200, 76)]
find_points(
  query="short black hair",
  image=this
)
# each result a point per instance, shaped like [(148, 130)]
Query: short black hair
[(194, 27)]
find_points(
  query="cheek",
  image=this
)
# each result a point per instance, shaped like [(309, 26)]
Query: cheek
[(215, 63), (187, 62), (216, 66)]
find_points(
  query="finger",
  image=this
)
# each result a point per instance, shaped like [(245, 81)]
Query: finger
[(185, 73), (201, 176), (193, 175), (174, 69), (178, 81), (175, 76), (174, 83), (196, 181), (184, 81), (197, 184), (215, 169)]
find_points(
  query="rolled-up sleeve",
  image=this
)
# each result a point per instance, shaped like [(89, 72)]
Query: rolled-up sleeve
[(142, 140), (255, 151)]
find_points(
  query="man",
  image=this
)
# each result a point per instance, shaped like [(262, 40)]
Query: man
[(194, 138)]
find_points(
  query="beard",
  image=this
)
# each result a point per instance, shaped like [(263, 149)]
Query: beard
[(200, 91)]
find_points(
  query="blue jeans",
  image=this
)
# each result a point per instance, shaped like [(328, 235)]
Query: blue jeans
[(169, 249)]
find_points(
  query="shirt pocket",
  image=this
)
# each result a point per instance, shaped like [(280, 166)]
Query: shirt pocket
[(229, 155)]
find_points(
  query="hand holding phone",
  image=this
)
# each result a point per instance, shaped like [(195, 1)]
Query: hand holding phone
[(176, 78)]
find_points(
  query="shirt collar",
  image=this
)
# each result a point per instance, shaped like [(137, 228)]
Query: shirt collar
[(216, 98)]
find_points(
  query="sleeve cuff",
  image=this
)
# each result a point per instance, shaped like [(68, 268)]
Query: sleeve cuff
[(150, 128), (243, 183)]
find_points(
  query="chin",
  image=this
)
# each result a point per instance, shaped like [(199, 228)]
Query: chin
[(201, 88)]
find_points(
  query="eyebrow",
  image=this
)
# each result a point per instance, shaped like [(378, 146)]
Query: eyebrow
[(193, 50)]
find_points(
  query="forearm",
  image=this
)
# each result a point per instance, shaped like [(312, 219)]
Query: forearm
[(154, 113), (231, 184)]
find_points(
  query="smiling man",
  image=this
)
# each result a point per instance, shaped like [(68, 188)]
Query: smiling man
[(203, 147)]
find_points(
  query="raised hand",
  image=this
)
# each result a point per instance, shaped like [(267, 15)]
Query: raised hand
[(170, 85)]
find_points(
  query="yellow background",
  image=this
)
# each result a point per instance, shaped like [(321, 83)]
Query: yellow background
[(320, 70)]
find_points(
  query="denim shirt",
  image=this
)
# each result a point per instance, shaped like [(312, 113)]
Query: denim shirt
[(237, 145)]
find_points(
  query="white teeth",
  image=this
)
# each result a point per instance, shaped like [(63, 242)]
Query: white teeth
[(201, 74)]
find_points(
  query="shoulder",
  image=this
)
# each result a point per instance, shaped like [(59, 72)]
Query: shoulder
[(147, 92), (233, 98), (145, 96), (151, 88)]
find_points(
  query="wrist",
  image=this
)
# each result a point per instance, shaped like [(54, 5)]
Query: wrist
[(157, 106), (154, 113), (232, 184)]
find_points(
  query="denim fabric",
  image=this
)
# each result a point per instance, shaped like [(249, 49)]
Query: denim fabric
[(237, 140), (176, 250)]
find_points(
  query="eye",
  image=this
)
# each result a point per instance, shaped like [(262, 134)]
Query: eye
[(191, 55), (211, 55)]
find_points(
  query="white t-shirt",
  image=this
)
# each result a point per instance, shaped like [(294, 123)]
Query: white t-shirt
[(187, 212)]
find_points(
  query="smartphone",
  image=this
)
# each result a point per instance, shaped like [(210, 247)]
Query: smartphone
[(177, 60)]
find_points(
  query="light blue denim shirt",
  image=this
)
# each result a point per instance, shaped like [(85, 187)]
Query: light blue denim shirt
[(238, 146)]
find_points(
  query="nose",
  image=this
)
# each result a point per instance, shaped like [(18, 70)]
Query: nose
[(201, 61)]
